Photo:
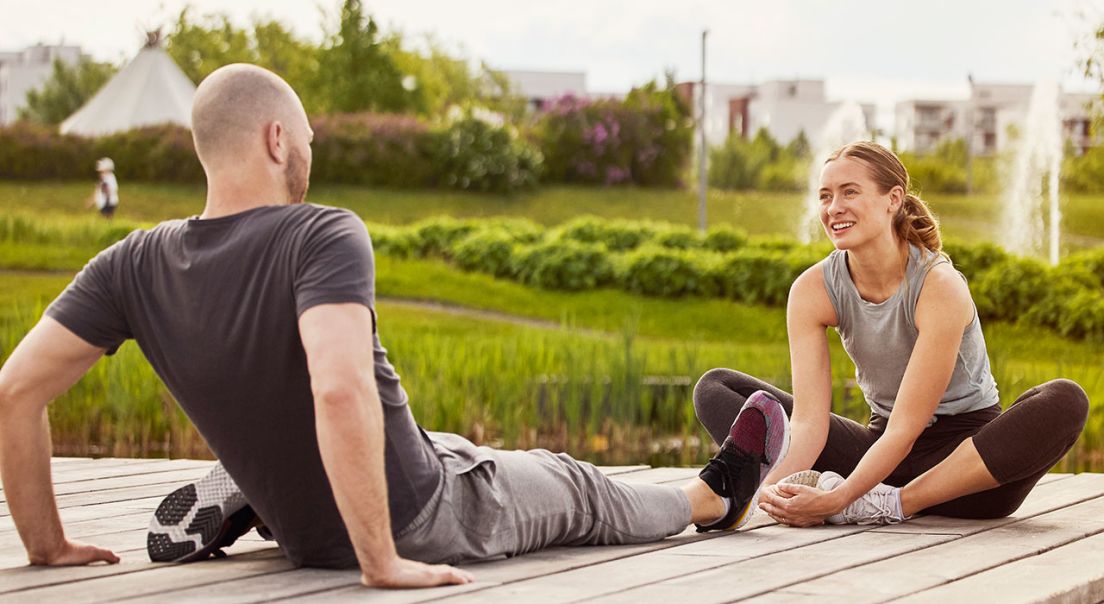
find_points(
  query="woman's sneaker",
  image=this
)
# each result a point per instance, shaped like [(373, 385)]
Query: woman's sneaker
[(880, 505), (197, 520), (757, 441)]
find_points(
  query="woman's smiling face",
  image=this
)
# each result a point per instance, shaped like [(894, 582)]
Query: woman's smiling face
[(852, 209)]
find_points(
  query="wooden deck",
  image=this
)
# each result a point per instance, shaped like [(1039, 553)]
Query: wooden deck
[(1052, 549)]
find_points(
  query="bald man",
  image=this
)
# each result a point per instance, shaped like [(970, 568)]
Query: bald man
[(258, 315)]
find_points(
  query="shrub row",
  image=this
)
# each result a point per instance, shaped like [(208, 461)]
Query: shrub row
[(665, 260), (368, 149)]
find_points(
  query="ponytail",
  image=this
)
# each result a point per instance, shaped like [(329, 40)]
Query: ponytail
[(916, 224)]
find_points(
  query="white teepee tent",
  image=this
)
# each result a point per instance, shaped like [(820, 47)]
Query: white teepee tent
[(150, 90)]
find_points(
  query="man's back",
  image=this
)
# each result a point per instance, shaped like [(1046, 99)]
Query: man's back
[(214, 306)]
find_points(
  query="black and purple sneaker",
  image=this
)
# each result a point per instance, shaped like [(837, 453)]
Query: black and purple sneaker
[(757, 441)]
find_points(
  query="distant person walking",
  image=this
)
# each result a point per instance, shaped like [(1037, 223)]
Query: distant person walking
[(106, 195)]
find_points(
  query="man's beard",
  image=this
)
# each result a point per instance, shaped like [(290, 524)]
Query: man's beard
[(297, 176)]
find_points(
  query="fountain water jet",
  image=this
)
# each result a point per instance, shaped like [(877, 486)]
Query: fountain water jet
[(1037, 154), (846, 124)]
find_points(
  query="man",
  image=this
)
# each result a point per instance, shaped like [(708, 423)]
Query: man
[(258, 315)]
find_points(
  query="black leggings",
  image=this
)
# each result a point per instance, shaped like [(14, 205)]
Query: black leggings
[(1018, 446)]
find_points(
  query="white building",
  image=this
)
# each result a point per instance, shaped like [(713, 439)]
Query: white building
[(996, 112), (24, 70), (539, 88), (785, 108)]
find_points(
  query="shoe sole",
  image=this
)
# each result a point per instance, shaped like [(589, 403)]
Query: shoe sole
[(749, 510), (192, 521), (808, 478)]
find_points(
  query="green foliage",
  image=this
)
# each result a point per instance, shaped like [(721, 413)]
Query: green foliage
[(678, 238), (383, 150), (760, 163), (162, 153), (761, 276), (615, 235), (1008, 289), (490, 251), (359, 72), (1084, 173), (67, 89), (475, 153), (643, 139), (973, 259), (725, 239), (436, 236), (666, 272), (564, 265), (946, 169)]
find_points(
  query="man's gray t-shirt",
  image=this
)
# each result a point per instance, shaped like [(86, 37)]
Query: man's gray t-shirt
[(214, 305)]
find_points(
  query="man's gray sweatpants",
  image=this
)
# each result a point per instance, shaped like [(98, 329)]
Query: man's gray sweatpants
[(493, 503)]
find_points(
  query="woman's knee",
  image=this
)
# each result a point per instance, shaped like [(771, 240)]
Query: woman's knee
[(710, 386), (1068, 400)]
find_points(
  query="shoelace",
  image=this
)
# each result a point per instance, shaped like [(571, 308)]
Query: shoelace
[(874, 506)]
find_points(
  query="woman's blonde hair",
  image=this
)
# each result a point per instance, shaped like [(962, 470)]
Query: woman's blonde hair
[(914, 222)]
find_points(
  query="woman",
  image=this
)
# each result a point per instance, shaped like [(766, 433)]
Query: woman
[(936, 441)]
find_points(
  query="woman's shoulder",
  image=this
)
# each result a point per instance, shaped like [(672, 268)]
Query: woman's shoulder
[(945, 294), (809, 294)]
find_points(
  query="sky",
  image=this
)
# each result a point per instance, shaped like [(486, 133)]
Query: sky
[(876, 51)]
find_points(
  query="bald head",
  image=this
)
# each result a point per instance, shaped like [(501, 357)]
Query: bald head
[(234, 108)]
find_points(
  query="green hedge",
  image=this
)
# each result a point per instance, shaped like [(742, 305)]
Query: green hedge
[(367, 149), (658, 259)]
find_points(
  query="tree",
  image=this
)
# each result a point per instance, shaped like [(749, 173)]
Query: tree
[(356, 71), (67, 90), (202, 45)]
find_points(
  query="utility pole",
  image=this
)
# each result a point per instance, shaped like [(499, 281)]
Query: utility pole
[(970, 137), (703, 157)]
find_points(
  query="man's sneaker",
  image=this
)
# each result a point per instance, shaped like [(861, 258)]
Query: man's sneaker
[(197, 520), (880, 505), (757, 441)]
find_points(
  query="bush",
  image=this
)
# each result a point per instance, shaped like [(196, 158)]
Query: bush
[(643, 139), (397, 242), (759, 163), (436, 236), (564, 265), (1008, 289), (678, 238), (725, 239), (762, 276), (657, 271), (490, 251), (473, 153), (377, 149), (615, 235), (973, 259)]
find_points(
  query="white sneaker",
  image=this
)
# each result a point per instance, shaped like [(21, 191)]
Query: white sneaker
[(880, 505)]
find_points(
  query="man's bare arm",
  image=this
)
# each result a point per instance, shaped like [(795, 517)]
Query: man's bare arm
[(43, 366), (349, 417)]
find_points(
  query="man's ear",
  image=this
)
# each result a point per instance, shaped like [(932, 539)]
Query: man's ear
[(275, 143)]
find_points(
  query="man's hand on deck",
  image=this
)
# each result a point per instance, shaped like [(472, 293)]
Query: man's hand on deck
[(404, 573), (75, 553)]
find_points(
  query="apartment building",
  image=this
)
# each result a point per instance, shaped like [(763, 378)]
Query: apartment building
[(24, 70)]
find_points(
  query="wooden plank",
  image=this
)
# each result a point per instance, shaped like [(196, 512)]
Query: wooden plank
[(19, 582), (95, 512), (169, 480), (1043, 498), (625, 574), (1072, 573), (942, 564)]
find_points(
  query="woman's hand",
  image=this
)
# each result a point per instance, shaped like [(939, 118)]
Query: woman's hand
[(799, 505)]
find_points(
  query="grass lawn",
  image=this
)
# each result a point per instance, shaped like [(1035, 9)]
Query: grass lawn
[(968, 218), (519, 385)]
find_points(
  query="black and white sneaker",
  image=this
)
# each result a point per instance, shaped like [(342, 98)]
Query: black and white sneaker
[(197, 520)]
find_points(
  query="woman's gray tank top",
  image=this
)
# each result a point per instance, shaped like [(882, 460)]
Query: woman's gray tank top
[(879, 338)]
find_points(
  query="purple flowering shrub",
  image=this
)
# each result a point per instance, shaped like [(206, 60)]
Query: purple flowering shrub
[(644, 139)]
